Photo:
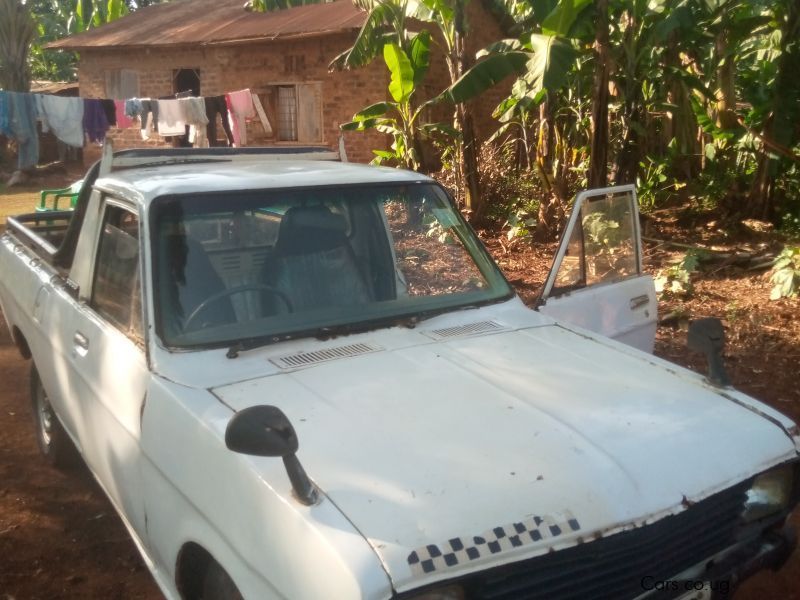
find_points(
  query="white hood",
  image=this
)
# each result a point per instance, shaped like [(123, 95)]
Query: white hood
[(539, 429)]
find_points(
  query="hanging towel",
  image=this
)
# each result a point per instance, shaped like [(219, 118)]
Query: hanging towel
[(123, 120), (64, 117), (111, 112), (133, 108), (22, 127), (95, 123), (240, 107), (194, 110), (171, 119)]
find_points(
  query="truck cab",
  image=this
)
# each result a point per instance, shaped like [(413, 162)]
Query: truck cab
[(303, 378)]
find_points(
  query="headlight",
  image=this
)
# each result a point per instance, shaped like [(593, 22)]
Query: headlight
[(450, 592), (770, 493)]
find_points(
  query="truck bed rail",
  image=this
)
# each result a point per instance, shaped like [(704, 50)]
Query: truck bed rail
[(36, 230)]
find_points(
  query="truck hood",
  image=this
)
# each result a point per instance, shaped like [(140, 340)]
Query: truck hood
[(457, 444)]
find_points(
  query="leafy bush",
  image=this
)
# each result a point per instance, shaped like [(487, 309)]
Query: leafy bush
[(786, 274), (506, 188), (676, 280)]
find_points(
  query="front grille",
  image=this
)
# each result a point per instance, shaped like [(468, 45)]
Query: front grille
[(613, 567)]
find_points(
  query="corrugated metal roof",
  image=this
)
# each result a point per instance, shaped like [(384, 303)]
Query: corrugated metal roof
[(212, 22)]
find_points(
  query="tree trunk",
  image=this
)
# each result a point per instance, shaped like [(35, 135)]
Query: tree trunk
[(726, 82), (628, 158), (17, 31), (460, 62), (681, 124), (598, 164), (781, 128), (551, 205)]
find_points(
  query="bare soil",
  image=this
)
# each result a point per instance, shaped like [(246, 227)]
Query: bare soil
[(60, 538)]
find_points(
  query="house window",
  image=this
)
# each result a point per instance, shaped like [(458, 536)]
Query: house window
[(287, 113), (186, 82), (294, 110), (122, 84)]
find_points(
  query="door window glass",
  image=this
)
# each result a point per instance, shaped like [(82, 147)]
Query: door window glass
[(602, 245), (116, 292)]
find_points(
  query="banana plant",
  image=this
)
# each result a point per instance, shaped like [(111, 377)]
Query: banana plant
[(400, 117), (93, 13)]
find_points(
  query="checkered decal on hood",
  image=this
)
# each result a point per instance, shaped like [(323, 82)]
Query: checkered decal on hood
[(435, 557)]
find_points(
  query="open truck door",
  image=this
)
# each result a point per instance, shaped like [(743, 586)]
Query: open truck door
[(596, 281)]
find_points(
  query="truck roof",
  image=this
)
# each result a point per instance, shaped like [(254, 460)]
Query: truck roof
[(145, 182)]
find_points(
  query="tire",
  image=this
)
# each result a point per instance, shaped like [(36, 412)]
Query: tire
[(54, 443), (218, 585)]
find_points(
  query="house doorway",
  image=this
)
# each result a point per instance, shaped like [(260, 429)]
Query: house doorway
[(185, 82)]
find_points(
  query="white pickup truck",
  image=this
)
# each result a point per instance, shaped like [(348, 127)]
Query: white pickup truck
[(298, 378)]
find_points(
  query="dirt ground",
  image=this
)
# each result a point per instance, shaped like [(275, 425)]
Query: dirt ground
[(60, 538)]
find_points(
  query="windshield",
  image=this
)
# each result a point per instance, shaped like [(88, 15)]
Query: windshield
[(275, 264)]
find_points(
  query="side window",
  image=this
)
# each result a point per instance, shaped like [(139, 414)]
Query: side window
[(122, 84), (116, 291), (294, 111), (602, 245)]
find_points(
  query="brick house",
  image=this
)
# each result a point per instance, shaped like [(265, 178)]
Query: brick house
[(214, 46)]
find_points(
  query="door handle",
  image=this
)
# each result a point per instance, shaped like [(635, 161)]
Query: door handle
[(81, 343), (639, 301)]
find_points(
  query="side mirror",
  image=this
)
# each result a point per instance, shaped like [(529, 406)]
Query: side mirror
[(266, 431), (708, 336)]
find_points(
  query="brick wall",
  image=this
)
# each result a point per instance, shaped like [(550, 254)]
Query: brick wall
[(260, 65), (254, 66)]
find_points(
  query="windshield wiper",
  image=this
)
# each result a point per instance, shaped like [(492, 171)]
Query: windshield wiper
[(327, 332)]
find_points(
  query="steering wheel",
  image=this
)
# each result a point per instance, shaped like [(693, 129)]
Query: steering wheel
[(237, 290)]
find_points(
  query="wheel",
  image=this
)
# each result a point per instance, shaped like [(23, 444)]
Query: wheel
[(218, 585), (236, 290), (53, 441)]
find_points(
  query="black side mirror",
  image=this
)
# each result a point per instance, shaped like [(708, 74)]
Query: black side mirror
[(266, 431), (708, 336)]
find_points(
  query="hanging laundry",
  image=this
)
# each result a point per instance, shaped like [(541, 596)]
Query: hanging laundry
[(64, 117), (240, 107), (95, 123), (111, 112), (40, 116), (22, 127), (133, 108), (4, 127), (146, 111), (148, 117), (194, 110), (171, 118), (123, 120), (217, 105)]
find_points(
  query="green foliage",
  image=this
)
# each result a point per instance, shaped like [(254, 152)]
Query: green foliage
[(785, 276), (676, 280), (436, 230), (602, 233), (401, 117), (519, 225)]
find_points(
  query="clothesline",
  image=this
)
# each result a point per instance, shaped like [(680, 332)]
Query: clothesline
[(74, 120)]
